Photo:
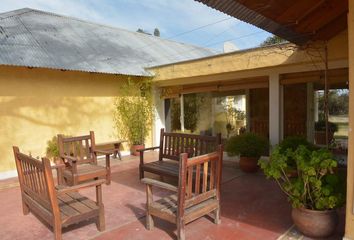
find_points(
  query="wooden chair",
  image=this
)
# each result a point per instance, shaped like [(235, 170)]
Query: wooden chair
[(171, 146), (197, 194), (80, 158), (61, 206)]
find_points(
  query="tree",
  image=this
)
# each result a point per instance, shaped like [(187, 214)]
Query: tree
[(272, 40), (157, 32)]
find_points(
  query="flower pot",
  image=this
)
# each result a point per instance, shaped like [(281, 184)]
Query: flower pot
[(249, 164), (312, 223), (320, 137), (134, 148)]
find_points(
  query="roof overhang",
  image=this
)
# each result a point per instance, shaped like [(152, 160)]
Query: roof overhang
[(298, 21)]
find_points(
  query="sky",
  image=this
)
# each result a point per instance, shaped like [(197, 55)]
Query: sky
[(185, 21)]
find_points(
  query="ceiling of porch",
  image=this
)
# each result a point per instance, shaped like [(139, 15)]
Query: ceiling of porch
[(296, 21)]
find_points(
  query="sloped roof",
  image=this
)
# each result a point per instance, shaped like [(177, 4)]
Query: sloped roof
[(35, 38), (297, 21)]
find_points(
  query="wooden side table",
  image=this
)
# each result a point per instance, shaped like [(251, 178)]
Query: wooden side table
[(112, 147)]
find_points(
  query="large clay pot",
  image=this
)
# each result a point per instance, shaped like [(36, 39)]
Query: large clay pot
[(312, 223), (249, 164), (134, 148)]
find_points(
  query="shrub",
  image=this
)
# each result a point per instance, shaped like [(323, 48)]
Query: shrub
[(247, 145), (316, 187), (52, 150)]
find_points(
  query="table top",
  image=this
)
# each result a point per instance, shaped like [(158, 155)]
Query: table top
[(111, 142)]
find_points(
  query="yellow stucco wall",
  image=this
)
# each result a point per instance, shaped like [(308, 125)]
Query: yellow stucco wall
[(253, 62), (36, 104)]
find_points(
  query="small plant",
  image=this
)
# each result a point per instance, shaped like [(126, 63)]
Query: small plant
[(247, 145), (317, 186), (321, 126), (52, 150)]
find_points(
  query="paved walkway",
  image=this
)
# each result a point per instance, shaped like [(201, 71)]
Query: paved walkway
[(252, 208)]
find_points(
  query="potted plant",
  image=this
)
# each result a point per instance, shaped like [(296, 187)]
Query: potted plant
[(292, 143), (250, 147), (320, 132), (315, 193), (134, 113)]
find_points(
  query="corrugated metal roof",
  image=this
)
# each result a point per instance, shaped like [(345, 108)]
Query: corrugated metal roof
[(35, 38)]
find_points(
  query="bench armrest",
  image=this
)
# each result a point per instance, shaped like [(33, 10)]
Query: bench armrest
[(147, 149), (58, 166), (104, 152), (156, 183), (64, 189)]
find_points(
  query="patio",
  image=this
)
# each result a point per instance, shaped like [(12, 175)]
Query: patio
[(251, 208)]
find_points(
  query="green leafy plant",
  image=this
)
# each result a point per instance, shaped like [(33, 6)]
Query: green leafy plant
[(247, 145), (317, 186), (321, 126), (292, 143), (52, 150), (134, 111)]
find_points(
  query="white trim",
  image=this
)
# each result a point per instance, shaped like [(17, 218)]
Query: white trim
[(8, 174)]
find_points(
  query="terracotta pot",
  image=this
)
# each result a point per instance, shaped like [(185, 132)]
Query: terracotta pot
[(249, 164), (320, 137), (312, 223), (134, 148)]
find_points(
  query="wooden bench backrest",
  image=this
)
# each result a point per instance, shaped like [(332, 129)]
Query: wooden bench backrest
[(36, 179), (173, 144), (199, 178), (80, 147)]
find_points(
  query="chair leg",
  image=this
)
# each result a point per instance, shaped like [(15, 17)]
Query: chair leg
[(141, 172), (57, 230), (149, 199), (25, 208), (217, 219), (100, 222), (108, 168), (180, 230)]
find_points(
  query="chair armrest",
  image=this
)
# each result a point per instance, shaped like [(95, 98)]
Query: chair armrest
[(159, 184), (147, 149), (58, 166), (64, 189), (69, 158)]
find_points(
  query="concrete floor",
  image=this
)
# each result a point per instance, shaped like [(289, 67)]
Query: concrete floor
[(251, 208)]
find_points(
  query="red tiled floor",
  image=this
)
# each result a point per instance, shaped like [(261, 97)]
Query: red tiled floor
[(252, 208)]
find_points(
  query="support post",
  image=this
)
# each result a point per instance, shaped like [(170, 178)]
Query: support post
[(349, 221), (274, 108), (182, 112)]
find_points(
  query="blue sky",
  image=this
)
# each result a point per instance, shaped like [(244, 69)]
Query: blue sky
[(172, 17)]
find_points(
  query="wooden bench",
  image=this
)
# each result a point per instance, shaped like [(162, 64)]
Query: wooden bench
[(112, 146), (197, 194), (171, 146), (59, 206)]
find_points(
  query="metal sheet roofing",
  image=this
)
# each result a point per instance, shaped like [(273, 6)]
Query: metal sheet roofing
[(35, 38)]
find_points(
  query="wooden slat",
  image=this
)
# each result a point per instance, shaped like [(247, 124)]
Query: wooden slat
[(190, 180), (200, 198), (205, 176), (197, 179)]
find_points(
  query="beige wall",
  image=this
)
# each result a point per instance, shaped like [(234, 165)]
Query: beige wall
[(36, 104), (254, 62)]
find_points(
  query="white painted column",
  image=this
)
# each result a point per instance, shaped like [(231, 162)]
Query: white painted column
[(182, 112), (274, 108), (159, 116)]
